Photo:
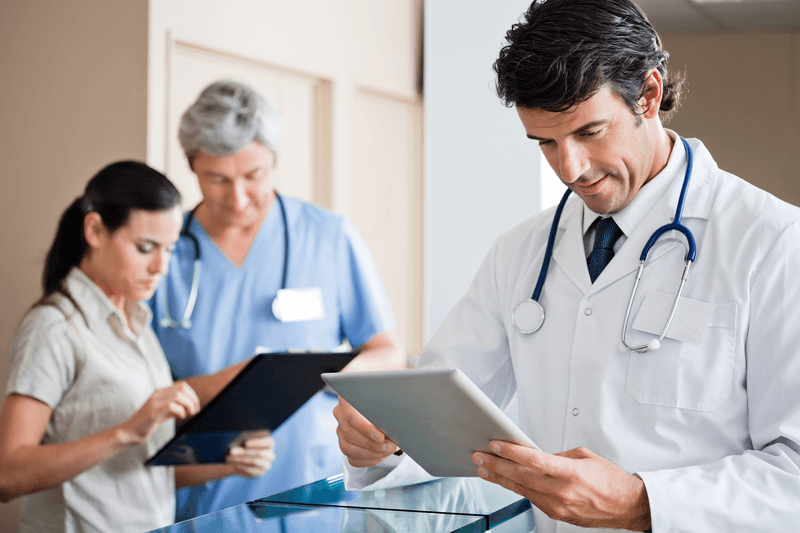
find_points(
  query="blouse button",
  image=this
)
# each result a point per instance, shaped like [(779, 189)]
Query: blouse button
[(587, 311)]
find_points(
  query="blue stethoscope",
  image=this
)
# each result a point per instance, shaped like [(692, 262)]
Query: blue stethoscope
[(167, 321), (528, 315)]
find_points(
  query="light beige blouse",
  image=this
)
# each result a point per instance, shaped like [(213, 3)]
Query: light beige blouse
[(94, 372)]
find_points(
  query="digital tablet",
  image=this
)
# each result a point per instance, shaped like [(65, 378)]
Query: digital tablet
[(259, 399), (438, 417)]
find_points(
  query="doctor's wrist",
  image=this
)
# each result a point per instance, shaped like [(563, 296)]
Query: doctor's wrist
[(640, 510)]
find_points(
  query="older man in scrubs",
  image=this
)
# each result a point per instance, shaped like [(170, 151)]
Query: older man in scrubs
[(243, 228), (701, 434)]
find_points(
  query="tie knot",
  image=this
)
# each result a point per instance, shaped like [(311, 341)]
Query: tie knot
[(606, 233)]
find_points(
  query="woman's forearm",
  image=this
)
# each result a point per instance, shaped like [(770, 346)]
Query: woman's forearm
[(33, 468), (27, 466)]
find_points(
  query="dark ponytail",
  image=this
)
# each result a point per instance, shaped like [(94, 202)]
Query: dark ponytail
[(111, 193), (68, 249)]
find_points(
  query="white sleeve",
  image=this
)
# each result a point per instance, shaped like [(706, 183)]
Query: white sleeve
[(758, 490), (393, 472)]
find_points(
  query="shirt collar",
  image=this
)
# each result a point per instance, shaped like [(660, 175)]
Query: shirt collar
[(645, 200), (97, 308)]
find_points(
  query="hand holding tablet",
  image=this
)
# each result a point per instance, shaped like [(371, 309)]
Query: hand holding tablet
[(438, 417)]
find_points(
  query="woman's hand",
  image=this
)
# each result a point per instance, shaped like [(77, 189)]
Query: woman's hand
[(177, 401), (253, 457)]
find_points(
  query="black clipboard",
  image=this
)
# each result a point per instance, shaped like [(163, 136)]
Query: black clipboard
[(261, 397)]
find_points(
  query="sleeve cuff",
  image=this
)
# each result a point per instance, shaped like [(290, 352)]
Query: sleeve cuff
[(394, 471), (657, 497)]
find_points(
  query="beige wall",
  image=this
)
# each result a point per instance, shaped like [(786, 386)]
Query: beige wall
[(74, 95), (743, 104), (355, 44)]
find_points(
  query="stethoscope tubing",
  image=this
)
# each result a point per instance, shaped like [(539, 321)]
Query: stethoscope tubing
[(675, 225), (185, 322), (551, 239)]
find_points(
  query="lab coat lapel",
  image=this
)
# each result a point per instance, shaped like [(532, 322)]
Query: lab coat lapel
[(570, 254), (699, 199), (626, 260)]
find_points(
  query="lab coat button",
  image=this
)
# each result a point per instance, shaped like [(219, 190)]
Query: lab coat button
[(575, 411), (587, 311)]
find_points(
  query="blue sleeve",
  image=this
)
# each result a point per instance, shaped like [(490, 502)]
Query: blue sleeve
[(365, 308)]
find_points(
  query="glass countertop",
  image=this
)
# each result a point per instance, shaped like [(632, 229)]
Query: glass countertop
[(464, 505), (461, 496), (267, 517)]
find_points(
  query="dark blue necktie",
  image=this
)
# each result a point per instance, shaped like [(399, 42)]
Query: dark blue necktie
[(606, 234)]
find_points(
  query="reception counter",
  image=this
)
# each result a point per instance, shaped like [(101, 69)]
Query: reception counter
[(445, 505)]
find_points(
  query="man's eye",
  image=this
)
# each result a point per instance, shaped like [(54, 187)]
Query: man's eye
[(256, 175), (545, 143), (590, 133), (145, 248)]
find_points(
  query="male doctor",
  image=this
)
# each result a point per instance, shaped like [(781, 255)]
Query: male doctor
[(701, 434)]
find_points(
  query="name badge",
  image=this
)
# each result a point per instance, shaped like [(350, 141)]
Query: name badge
[(297, 305), (688, 324)]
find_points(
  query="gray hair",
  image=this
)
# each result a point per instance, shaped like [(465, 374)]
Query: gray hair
[(227, 116)]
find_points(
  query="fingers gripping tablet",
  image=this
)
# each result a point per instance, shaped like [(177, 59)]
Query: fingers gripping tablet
[(438, 417)]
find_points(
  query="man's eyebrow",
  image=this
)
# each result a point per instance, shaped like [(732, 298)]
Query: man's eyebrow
[(215, 174), (256, 169), (583, 129)]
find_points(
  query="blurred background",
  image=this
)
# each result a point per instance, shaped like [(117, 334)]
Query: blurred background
[(389, 111)]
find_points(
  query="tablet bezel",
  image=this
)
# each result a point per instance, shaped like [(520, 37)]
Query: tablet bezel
[(438, 417)]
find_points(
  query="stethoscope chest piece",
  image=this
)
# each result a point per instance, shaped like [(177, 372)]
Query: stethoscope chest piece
[(527, 317)]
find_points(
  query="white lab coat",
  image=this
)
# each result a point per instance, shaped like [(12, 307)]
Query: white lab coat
[(712, 428)]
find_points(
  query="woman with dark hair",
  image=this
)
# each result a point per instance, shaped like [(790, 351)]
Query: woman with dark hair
[(90, 396)]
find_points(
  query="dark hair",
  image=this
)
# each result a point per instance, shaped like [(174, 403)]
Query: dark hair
[(563, 51), (111, 193)]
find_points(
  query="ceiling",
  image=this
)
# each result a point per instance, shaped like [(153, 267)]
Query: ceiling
[(693, 16)]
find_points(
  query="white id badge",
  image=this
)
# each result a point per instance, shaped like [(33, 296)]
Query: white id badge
[(296, 305), (688, 325)]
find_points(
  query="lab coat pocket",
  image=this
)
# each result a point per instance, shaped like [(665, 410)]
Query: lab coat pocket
[(683, 374)]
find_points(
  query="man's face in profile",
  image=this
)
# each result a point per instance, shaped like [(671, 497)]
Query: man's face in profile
[(597, 148)]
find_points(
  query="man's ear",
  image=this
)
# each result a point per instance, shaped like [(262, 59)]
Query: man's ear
[(650, 102), (93, 229)]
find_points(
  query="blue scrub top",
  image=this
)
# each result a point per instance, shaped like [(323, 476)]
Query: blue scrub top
[(233, 318)]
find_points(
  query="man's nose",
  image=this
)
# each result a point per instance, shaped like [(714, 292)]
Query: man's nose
[(572, 161), (238, 194)]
